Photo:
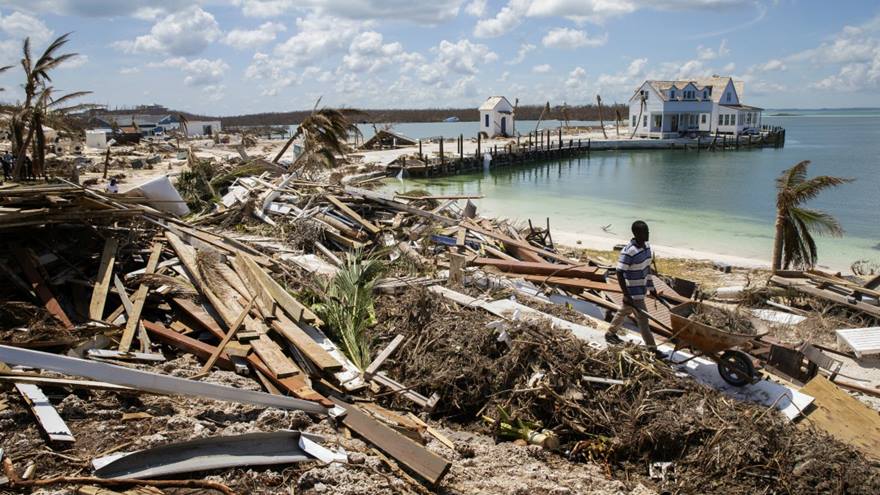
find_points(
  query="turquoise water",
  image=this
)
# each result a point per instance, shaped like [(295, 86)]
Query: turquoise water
[(720, 202)]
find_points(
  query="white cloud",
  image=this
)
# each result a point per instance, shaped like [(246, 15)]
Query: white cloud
[(199, 72), (422, 12), (571, 38), (476, 8), (464, 57), (99, 8), (598, 10), (541, 69), (521, 54), (19, 26), (623, 82), (855, 50), (576, 84), (708, 53), (75, 62), (242, 39), (369, 53), (771, 66), (183, 33), (125, 71), (509, 17), (317, 36)]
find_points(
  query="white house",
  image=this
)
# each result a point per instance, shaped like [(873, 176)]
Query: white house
[(202, 127), (496, 117), (669, 109)]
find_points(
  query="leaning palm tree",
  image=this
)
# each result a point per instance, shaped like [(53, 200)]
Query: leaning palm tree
[(325, 135), (601, 120), (642, 105), (795, 225), (36, 79), (51, 111)]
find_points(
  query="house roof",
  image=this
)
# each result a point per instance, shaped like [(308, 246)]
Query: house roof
[(743, 107), (718, 83), (384, 134), (494, 101)]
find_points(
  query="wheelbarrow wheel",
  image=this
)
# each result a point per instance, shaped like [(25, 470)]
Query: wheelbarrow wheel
[(736, 368)]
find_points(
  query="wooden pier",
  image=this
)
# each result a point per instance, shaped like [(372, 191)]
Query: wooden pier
[(544, 145)]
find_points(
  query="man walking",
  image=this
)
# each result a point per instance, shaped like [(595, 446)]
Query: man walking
[(634, 277)]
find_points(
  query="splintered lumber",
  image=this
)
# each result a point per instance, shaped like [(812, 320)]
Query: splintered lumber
[(828, 295), (397, 205), (275, 359), (200, 315), (471, 225), (302, 341), (134, 319), (414, 457), (40, 287), (297, 311), (226, 338), (295, 385), (386, 352), (51, 423), (196, 347), (532, 268), (844, 417), (371, 228), (572, 283), (102, 282), (149, 382), (386, 381)]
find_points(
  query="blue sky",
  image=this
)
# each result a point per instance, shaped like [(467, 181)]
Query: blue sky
[(226, 57)]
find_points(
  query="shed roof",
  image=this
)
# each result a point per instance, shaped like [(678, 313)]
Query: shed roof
[(494, 101)]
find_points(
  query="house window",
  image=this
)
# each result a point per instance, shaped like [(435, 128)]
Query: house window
[(739, 119), (645, 121), (634, 120), (703, 118), (705, 94), (672, 93), (644, 94), (658, 121), (720, 119), (749, 118)]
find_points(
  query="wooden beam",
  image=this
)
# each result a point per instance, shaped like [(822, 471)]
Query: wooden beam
[(371, 228), (196, 347), (471, 225), (385, 354), (532, 268), (295, 385), (131, 324), (571, 283), (275, 359), (414, 457), (827, 295), (302, 341), (200, 315), (294, 308), (39, 286), (226, 338), (102, 282)]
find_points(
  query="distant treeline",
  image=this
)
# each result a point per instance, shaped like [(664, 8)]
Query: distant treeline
[(523, 112)]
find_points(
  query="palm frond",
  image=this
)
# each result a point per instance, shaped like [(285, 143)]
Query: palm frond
[(809, 189)]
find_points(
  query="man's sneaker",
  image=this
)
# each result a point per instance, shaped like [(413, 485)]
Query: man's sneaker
[(612, 338)]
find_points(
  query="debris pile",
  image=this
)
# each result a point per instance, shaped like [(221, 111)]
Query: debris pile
[(293, 320)]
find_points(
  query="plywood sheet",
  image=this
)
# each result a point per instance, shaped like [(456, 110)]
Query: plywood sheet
[(844, 417)]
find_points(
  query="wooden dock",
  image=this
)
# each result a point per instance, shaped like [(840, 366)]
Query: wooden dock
[(544, 146)]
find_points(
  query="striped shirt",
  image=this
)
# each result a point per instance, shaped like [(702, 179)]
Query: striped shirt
[(635, 265)]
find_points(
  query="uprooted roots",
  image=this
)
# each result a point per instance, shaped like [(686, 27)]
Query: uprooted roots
[(717, 445)]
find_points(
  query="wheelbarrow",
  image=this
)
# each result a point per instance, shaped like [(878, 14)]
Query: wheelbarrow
[(724, 348)]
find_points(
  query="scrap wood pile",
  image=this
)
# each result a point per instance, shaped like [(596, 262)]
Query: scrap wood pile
[(177, 301), (619, 407)]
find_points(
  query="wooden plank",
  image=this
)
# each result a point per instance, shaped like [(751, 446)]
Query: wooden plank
[(226, 338), (520, 244), (386, 352), (275, 359), (265, 302), (414, 457), (826, 294), (50, 422), (373, 229), (102, 282), (302, 341), (131, 324), (295, 385), (294, 308), (200, 349), (531, 268), (844, 417), (376, 198), (40, 287), (200, 315), (571, 283)]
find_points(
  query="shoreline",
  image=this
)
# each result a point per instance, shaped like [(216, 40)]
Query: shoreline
[(591, 241)]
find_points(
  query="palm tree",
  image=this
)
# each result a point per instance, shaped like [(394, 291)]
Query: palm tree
[(642, 105), (796, 225), (325, 133), (544, 110), (36, 79), (601, 120)]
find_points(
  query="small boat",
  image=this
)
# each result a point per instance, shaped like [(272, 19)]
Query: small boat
[(450, 119)]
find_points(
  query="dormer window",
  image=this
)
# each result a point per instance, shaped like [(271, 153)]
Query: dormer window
[(644, 94), (672, 93), (705, 95)]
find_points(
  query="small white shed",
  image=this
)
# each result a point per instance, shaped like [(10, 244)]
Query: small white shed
[(496, 117), (97, 138), (202, 127)]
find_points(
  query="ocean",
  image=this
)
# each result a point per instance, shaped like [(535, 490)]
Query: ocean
[(716, 202)]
